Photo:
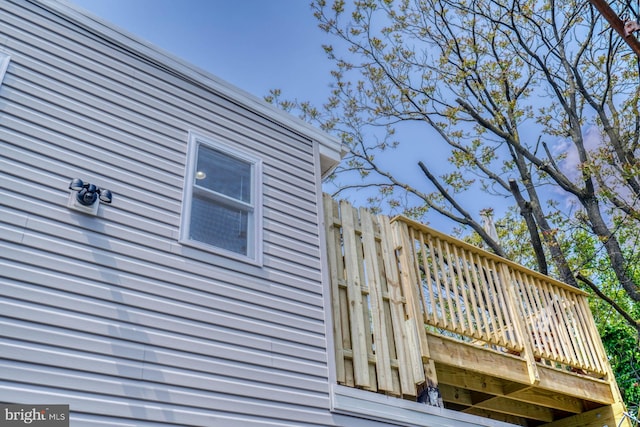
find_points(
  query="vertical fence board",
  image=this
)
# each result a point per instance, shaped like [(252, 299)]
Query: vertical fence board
[(374, 284), (387, 306), (334, 261), (412, 286), (407, 356), (410, 283), (355, 303)]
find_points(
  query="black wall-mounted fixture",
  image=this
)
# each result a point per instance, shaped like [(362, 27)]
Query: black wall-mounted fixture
[(86, 197)]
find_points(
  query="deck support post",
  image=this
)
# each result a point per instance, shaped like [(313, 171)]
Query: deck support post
[(428, 391), (521, 329)]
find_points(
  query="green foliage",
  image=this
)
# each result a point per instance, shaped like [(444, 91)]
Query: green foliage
[(621, 340), (623, 347)]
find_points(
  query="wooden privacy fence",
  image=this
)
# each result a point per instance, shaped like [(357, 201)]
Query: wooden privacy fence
[(375, 340), (395, 281)]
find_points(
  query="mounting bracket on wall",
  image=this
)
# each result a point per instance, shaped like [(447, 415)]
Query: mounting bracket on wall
[(85, 197)]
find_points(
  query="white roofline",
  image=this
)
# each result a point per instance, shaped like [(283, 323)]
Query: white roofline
[(331, 148)]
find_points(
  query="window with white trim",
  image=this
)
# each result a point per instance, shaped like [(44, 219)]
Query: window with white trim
[(222, 202)]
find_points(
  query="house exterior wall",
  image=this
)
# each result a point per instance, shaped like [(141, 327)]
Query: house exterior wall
[(109, 313)]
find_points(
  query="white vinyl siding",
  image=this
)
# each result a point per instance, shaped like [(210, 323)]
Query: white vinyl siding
[(111, 314), (221, 211)]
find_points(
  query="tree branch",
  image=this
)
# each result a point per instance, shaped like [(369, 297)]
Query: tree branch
[(468, 220), (626, 316), (526, 212)]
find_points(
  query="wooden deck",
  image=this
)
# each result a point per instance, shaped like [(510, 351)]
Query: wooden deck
[(423, 316)]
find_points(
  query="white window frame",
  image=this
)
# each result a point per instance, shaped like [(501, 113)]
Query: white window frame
[(254, 226)]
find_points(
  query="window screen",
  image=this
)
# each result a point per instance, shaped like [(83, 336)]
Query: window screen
[(223, 200)]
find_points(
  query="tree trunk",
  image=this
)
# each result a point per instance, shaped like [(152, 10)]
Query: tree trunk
[(612, 246)]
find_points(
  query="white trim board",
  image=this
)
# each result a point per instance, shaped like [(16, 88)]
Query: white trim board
[(396, 411), (4, 64)]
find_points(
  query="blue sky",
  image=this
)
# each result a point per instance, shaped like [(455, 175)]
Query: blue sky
[(256, 45)]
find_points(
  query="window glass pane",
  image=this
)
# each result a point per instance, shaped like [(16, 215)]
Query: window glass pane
[(223, 174), (219, 225)]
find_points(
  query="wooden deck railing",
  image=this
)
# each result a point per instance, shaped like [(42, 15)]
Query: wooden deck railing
[(395, 281), (486, 299)]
